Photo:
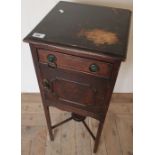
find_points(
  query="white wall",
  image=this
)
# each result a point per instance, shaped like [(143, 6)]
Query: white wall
[(34, 10)]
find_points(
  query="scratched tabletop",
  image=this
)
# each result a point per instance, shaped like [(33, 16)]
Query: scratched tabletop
[(98, 29)]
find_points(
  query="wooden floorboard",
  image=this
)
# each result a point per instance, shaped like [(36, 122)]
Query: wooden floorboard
[(72, 138), (83, 140), (93, 124), (54, 147)]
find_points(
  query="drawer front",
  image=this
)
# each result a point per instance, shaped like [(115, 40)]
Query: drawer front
[(72, 88), (69, 62)]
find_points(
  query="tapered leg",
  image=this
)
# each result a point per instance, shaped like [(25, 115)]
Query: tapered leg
[(48, 120), (99, 131)]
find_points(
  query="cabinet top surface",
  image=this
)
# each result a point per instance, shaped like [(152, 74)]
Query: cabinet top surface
[(101, 29)]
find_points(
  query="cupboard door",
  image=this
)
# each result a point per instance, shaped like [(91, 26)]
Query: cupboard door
[(73, 88)]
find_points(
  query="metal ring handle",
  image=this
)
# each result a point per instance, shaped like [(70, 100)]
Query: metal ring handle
[(52, 65)]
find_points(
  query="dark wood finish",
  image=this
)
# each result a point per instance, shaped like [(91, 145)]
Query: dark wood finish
[(83, 25), (70, 62), (68, 119), (78, 59), (46, 108), (86, 126), (75, 89)]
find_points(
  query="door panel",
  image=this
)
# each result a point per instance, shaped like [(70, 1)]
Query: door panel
[(74, 92), (73, 88)]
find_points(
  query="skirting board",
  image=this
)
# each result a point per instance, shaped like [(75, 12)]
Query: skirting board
[(116, 97)]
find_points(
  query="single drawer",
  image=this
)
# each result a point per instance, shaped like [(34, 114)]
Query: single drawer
[(64, 61)]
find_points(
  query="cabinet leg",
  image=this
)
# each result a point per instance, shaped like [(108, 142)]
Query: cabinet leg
[(48, 120), (99, 131)]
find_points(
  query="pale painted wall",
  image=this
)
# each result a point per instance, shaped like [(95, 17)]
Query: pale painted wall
[(34, 10)]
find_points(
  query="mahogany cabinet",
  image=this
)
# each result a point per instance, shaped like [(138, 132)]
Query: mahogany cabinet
[(77, 50)]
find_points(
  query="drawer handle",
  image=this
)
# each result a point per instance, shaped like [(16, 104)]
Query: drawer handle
[(52, 65), (46, 84), (51, 58), (51, 61), (94, 68)]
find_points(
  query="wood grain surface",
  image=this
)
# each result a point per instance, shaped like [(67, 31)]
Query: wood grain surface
[(72, 138)]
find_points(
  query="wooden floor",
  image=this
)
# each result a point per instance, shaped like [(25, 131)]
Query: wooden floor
[(72, 138)]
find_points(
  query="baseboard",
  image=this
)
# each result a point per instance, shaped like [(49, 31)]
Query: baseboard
[(116, 97)]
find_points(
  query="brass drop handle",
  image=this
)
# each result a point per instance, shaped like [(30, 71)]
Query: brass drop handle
[(51, 61), (46, 84), (94, 68)]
